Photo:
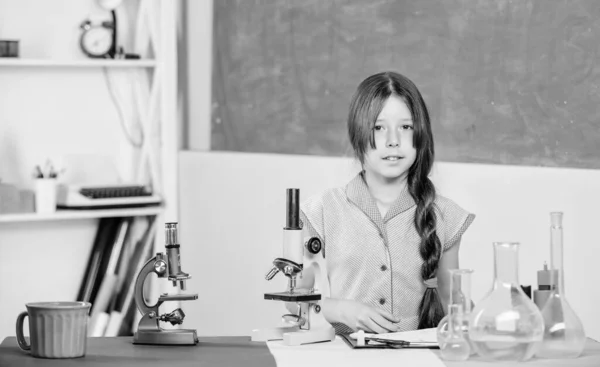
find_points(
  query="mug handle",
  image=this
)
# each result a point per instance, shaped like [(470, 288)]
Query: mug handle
[(20, 337)]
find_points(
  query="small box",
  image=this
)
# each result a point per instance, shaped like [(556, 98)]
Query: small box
[(9, 198), (9, 48)]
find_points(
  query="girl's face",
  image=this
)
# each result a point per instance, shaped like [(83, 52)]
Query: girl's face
[(394, 152)]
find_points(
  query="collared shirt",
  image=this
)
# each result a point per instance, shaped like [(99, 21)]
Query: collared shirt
[(372, 259)]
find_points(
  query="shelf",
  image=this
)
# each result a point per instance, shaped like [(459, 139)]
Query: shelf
[(83, 63), (80, 214)]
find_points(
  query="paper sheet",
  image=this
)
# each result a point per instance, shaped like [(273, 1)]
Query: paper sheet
[(337, 353)]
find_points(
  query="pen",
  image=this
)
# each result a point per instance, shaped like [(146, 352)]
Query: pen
[(52, 173), (38, 172), (401, 343)]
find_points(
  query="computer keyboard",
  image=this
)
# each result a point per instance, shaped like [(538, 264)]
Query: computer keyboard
[(105, 196), (114, 192)]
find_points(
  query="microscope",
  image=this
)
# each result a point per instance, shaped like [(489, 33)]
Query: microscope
[(164, 266), (309, 324)]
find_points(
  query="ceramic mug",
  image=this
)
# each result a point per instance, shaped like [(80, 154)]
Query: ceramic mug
[(56, 329)]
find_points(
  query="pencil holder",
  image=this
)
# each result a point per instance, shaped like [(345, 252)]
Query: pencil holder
[(45, 195)]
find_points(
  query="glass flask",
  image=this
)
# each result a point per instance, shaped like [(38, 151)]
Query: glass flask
[(564, 336), (506, 325), (460, 294), (453, 344)]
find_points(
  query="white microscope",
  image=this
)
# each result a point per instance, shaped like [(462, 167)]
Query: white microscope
[(309, 324)]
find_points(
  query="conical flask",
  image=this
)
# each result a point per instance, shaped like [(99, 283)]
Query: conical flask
[(506, 325), (564, 336), (460, 295), (453, 344)]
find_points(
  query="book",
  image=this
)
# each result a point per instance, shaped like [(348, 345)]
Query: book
[(104, 233), (106, 292), (124, 302), (97, 327), (105, 256), (137, 230)]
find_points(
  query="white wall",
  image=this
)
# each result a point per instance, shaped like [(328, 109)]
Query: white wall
[(59, 113), (233, 210), (199, 27)]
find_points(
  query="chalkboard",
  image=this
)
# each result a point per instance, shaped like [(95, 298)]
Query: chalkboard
[(506, 81)]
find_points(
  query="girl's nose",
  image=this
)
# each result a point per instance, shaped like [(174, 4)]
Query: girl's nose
[(393, 140)]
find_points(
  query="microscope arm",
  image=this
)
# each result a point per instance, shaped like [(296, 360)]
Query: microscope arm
[(154, 265)]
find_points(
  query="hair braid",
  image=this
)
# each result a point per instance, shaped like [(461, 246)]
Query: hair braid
[(423, 191)]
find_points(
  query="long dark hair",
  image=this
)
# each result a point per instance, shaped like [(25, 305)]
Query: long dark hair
[(366, 105)]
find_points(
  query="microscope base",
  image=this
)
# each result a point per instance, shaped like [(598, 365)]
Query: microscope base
[(276, 333), (166, 337), (316, 335)]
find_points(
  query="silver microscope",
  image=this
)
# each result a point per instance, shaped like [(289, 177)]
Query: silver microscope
[(309, 324), (165, 266)]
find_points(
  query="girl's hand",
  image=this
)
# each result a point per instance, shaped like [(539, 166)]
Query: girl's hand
[(359, 316)]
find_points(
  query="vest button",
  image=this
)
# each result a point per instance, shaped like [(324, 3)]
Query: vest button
[(383, 268), (381, 301)]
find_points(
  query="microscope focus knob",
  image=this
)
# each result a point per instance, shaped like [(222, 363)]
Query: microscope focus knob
[(314, 245), (160, 267)]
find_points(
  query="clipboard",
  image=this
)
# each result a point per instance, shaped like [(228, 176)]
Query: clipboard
[(382, 342)]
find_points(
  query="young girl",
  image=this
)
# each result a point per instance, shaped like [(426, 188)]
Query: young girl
[(389, 240)]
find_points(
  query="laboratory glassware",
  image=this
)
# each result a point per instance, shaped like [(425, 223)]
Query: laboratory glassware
[(506, 325)]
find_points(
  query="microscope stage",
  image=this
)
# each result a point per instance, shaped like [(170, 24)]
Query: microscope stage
[(293, 297)]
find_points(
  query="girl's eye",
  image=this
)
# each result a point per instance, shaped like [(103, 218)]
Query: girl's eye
[(408, 127), (378, 128)]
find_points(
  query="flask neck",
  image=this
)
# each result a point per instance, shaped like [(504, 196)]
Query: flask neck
[(506, 260), (460, 288), (455, 318), (556, 252)]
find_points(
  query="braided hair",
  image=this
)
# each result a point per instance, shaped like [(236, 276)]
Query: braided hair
[(366, 105)]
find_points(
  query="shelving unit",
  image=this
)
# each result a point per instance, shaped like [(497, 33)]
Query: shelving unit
[(50, 72), (78, 63), (84, 63), (154, 37), (154, 81), (81, 214)]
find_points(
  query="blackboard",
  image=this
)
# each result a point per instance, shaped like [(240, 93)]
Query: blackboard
[(506, 81)]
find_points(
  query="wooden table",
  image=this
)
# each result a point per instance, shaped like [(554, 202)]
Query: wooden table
[(120, 351), (240, 351)]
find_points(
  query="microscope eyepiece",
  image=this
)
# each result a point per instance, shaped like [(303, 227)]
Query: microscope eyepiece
[(171, 235), (292, 220), (173, 256)]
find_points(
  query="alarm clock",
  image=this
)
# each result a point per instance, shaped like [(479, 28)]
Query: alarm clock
[(98, 40)]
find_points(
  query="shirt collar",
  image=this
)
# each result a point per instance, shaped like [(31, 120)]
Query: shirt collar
[(357, 192)]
